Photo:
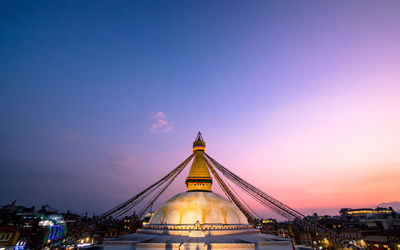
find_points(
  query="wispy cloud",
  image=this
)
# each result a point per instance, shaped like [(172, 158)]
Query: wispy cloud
[(120, 160), (160, 123), (72, 136)]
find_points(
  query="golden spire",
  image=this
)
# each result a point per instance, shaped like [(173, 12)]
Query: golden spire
[(199, 143), (199, 177)]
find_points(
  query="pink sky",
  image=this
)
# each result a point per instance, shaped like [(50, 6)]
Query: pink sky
[(337, 149), (300, 98)]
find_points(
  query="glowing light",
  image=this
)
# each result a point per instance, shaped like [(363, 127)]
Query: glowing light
[(83, 245)]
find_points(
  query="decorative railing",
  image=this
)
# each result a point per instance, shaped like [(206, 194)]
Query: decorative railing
[(187, 227)]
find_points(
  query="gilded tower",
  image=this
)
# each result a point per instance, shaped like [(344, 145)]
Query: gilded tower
[(199, 178)]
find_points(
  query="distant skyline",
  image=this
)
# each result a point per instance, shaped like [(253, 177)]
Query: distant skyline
[(100, 99)]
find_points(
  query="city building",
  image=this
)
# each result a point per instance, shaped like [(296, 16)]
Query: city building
[(9, 237), (365, 212)]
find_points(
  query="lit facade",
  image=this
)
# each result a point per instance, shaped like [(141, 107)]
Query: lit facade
[(198, 219), (365, 211)]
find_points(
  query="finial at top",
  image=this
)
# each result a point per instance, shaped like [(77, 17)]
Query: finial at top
[(199, 137), (199, 144)]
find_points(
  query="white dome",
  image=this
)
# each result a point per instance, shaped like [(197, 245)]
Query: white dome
[(205, 207)]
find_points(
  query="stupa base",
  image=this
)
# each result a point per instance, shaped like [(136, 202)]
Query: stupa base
[(234, 241)]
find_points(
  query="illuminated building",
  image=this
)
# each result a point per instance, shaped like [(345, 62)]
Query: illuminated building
[(8, 236), (54, 228), (198, 219), (365, 212)]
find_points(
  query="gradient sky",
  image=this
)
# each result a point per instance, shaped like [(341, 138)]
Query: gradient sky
[(100, 99)]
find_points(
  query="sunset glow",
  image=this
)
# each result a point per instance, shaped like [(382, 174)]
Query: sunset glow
[(302, 99)]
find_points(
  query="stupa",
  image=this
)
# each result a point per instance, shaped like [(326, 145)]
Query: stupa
[(198, 219)]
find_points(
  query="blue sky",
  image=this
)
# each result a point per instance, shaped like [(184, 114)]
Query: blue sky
[(82, 84)]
